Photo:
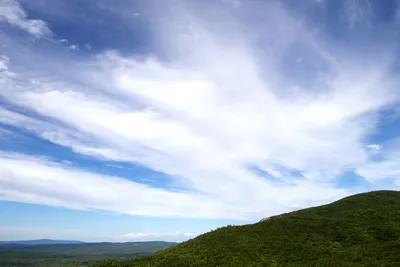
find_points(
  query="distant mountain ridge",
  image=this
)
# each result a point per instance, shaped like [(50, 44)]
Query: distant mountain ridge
[(41, 242), (72, 255)]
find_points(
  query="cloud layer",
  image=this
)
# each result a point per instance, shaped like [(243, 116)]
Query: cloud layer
[(241, 125)]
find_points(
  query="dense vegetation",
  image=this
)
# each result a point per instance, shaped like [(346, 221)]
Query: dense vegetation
[(65, 255), (361, 230)]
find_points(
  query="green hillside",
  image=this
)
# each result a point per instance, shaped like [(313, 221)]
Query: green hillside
[(361, 230)]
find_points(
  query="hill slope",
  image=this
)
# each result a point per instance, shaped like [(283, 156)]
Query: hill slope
[(361, 230)]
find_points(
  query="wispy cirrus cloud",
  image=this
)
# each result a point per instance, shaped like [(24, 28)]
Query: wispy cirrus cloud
[(357, 12), (45, 182), (11, 12)]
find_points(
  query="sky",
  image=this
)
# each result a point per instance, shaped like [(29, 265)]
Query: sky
[(161, 120)]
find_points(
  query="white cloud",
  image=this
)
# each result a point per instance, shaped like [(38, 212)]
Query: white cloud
[(74, 47), (376, 171), (189, 234), (140, 235), (4, 63), (4, 68), (219, 107), (374, 148), (11, 12), (387, 167), (44, 182), (153, 236)]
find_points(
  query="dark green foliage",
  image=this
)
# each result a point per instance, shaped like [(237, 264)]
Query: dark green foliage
[(361, 230), (74, 254)]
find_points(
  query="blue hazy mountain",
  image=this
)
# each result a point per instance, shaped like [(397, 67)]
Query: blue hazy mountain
[(41, 242)]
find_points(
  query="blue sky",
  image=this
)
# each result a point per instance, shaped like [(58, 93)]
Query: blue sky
[(141, 120)]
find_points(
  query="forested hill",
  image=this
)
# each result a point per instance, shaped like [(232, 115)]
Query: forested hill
[(361, 230)]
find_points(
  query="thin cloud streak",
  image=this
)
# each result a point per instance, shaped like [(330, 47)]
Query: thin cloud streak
[(11, 12)]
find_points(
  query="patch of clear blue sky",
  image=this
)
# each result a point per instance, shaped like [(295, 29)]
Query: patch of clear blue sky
[(388, 125), (102, 223), (350, 179), (97, 23)]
